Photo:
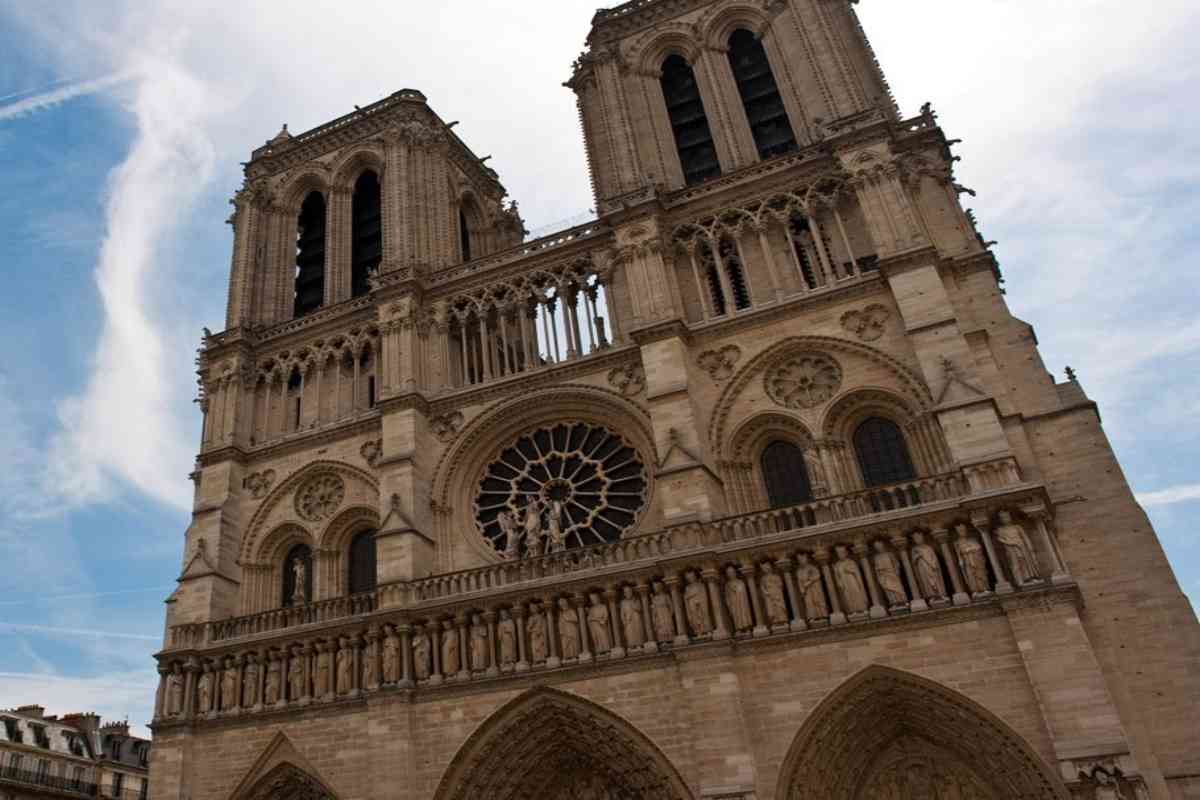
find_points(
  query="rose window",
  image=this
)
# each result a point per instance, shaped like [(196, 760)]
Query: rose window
[(804, 381), (320, 497), (559, 487)]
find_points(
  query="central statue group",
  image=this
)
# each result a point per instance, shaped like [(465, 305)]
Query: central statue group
[(527, 524)]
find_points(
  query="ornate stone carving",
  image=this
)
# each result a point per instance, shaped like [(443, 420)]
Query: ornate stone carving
[(320, 497), (808, 575), (371, 451), (446, 426), (928, 568), (631, 619), (628, 380), (695, 600), (850, 581), (773, 595), (1018, 550), (568, 629), (479, 643), (887, 572), (719, 363), (803, 381), (664, 617), (867, 324), (737, 597), (422, 648), (259, 483), (972, 560), (450, 650), (506, 632)]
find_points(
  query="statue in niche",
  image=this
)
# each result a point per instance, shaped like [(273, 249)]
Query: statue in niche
[(345, 668), (370, 671), (512, 534), (450, 653), (887, 571), (772, 589), (737, 597), (664, 615), (299, 581), (554, 519), (695, 600), (506, 632), (250, 683), (533, 527), (324, 682), (1107, 785), (421, 651), (274, 683), (850, 580), (175, 691), (568, 629), (204, 691), (809, 576), (391, 659), (537, 634), (928, 568), (229, 678), (1021, 559), (598, 620), (973, 561), (296, 677), (631, 619), (479, 643)]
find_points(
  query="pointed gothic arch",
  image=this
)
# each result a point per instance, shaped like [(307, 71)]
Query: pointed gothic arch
[(550, 745), (888, 733), (287, 782)]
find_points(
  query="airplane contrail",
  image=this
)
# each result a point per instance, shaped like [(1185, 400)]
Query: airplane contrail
[(54, 97), (38, 90)]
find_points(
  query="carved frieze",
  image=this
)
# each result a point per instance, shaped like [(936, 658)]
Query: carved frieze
[(446, 426), (719, 363), (259, 483), (629, 380), (867, 324)]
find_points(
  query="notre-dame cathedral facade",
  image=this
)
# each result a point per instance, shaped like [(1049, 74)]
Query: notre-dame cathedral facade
[(751, 488)]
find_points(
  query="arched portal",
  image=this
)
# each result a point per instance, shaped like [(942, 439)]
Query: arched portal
[(890, 735), (287, 782), (549, 745)]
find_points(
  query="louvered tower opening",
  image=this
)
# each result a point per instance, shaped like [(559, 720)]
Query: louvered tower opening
[(768, 119), (310, 255), (693, 138), (367, 247)]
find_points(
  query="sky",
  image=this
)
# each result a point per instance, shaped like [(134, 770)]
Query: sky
[(122, 129)]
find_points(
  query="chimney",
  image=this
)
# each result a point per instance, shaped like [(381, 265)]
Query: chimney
[(35, 711)]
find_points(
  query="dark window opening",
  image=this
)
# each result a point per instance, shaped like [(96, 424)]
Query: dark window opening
[(713, 278), (801, 234), (362, 563), (882, 453), (464, 235), (118, 784), (760, 95), (370, 391), (731, 257), (689, 124), (297, 422), (301, 555), (367, 240), (785, 474), (310, 255)]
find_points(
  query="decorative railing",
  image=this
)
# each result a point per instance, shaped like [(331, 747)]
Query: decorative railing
[(201, 633), (50, 782)]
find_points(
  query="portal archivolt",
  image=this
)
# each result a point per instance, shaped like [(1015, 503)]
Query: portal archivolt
[(548, 745)]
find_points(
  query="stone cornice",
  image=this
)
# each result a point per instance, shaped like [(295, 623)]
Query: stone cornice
[(366, 422)]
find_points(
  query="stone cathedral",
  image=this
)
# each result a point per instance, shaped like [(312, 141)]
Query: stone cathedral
[(753, 488)]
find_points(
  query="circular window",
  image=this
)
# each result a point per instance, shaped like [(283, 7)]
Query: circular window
[(804, 381), (560, 487)]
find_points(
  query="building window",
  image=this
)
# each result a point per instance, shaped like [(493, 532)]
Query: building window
[(731, 257), (882, 453), (118, 784), (367, 242), (14, 763), (297, 576), (43, 771), (760, 95), (370, 391), (144, 791), (693, 138), (77, 777), (785, 474), (310, 255), (362, 563), (464, 235)]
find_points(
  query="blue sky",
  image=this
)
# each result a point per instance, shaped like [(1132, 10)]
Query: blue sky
[(122, 126)]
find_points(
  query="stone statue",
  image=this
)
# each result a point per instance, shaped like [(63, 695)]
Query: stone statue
[(204, 691), (1021, 559), (854, 594), (533, 527), (737, 597), (973, 561), (450, 653), (274, 683), (775, 601), (888, 574), (422, 649), (296, 677), (631, 619), (506, 632), (816, 607), (250, 683), (554, 520), (324, 682), (391, 659), (537, 634), (370, 669), (229, 676), (175, 691), (345, 669), (695, 600), (568, 629), (300, 581), (664, 615), (927, 568), (1107, 787), (512, 534), (597, 617), (479, 643)]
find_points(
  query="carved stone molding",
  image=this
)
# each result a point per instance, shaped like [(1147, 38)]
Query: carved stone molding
[(719, 363), (259, 483), (320, 497), (446, 426), (804, 381), (867, 324), (628, 380), (371, 451)]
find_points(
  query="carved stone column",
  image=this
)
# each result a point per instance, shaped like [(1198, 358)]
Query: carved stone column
[(1041, 520), (160, 693), (579, 602), (984, 525), (861, 550), (406, 655), (464, 647), (493, 668), (900, 544), (750, 573), (518, 612), (797, 623), (942, 537), (434, 629), (681, 626), (643, 591), (821, 555), (712, 579), (614, 624), (192, 669), (553, 660)]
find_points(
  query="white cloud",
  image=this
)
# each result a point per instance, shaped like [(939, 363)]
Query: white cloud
[(75, 633), (56, 97), (114, 696), (1170, 496)]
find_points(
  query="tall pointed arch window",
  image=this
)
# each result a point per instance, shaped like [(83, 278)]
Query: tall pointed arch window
[(768, 118), (689, 123), (362, 563), (298, 576), (882, 453), (310, 255), (366, 248), (464, 235), (785, 474)]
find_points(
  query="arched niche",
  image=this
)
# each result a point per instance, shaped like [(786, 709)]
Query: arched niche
[(550, 745), (890, 735), (286, 782)]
